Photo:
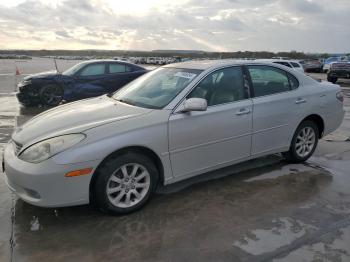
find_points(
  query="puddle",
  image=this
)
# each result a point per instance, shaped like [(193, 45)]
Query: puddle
[(34, 224), (285, 170), (308, 205), (285, 231), (7, 121), (336, 250), (337, 137), (9, 106), (5, 135)]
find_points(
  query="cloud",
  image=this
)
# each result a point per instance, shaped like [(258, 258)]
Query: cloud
[(63, 34), (215, 25), (306, 6)]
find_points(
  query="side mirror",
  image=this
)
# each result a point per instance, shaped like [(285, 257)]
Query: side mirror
[(193, 104)]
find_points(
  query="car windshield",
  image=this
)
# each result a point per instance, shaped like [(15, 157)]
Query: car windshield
[(71, 71), (332, 59), (157, 88)]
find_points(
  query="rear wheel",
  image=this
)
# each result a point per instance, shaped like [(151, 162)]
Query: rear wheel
[(304, 142), (125, 183), (51, 95)]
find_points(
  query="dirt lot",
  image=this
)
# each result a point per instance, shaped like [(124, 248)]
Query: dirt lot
[(261, 210)]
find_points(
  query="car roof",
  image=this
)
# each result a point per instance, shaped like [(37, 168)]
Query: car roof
[(210, 64), (275, 60), (110, 61)]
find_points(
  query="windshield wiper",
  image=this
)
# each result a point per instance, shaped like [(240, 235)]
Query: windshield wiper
[(125, 102)]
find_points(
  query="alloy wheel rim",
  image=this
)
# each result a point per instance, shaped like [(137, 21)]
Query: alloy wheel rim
[(128, 185), (305, 141), (52, 95)]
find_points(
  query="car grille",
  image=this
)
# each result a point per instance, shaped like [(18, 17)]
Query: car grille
[(340, 66), (17, 147)]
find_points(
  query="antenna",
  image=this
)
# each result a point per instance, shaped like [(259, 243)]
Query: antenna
[(54, 60)]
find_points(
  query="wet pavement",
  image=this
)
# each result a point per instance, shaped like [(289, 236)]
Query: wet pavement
[(261, 210)]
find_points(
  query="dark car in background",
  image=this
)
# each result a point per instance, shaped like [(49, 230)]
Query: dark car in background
[(84, 80)]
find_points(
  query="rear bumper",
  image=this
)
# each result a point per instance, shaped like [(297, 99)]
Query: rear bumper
[(333, 121), (44, 184)]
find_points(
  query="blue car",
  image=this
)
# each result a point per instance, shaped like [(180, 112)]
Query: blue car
[(84, 80)]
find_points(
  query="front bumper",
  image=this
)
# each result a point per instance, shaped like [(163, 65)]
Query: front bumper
[(339, 73), (27, 94), (44, 184)]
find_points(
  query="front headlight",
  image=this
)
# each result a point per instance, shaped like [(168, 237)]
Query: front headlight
[(45, 149), (24, 83)]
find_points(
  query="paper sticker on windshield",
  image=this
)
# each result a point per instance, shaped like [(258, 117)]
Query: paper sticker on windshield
[(186, 75)]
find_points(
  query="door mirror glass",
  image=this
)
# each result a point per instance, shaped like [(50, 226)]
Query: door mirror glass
[(193, 104)]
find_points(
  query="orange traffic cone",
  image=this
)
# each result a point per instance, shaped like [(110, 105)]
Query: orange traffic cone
[(17, 71)]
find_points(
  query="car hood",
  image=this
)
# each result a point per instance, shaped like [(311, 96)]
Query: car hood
[(74, 118), (48, 74)]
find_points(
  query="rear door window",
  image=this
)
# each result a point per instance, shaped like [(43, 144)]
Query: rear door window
[(295, 64), (116, 68), (283, 63), (93, 69), (267, 80)]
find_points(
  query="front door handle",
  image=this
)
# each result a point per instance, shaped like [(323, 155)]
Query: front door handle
[(243, 111), (300, 101)]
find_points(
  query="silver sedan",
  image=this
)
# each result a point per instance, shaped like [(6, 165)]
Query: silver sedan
[(171, 124)]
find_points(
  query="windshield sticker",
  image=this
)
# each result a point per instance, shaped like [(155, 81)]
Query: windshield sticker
[(186, 75)]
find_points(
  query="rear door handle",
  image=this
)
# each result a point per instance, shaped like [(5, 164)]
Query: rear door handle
[(300, 101), (243, 111)]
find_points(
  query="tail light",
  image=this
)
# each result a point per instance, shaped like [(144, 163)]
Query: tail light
[(340, 96)]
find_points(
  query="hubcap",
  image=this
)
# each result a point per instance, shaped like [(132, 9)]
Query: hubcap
[(128, 185), (305, 141)]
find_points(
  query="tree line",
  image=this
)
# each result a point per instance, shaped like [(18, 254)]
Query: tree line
[(167, 53)]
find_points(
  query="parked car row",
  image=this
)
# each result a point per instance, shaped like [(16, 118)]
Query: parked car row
[(294, 64), (15, 56)]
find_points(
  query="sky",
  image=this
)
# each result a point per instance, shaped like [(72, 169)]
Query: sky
[(210, 25)]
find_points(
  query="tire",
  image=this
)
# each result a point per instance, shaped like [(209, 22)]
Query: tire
[(51, 95), (112, 188), (332, 79), (296, 153)]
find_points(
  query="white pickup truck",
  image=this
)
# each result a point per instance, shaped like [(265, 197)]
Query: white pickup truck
[(338, 70)]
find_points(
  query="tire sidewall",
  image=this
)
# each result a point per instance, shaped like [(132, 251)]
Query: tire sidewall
[(107, 169), (293, 148), (49, 86)]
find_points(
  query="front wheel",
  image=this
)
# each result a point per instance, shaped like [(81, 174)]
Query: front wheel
[(51, 95), (332, 79), (125, 183), (304, 142)]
